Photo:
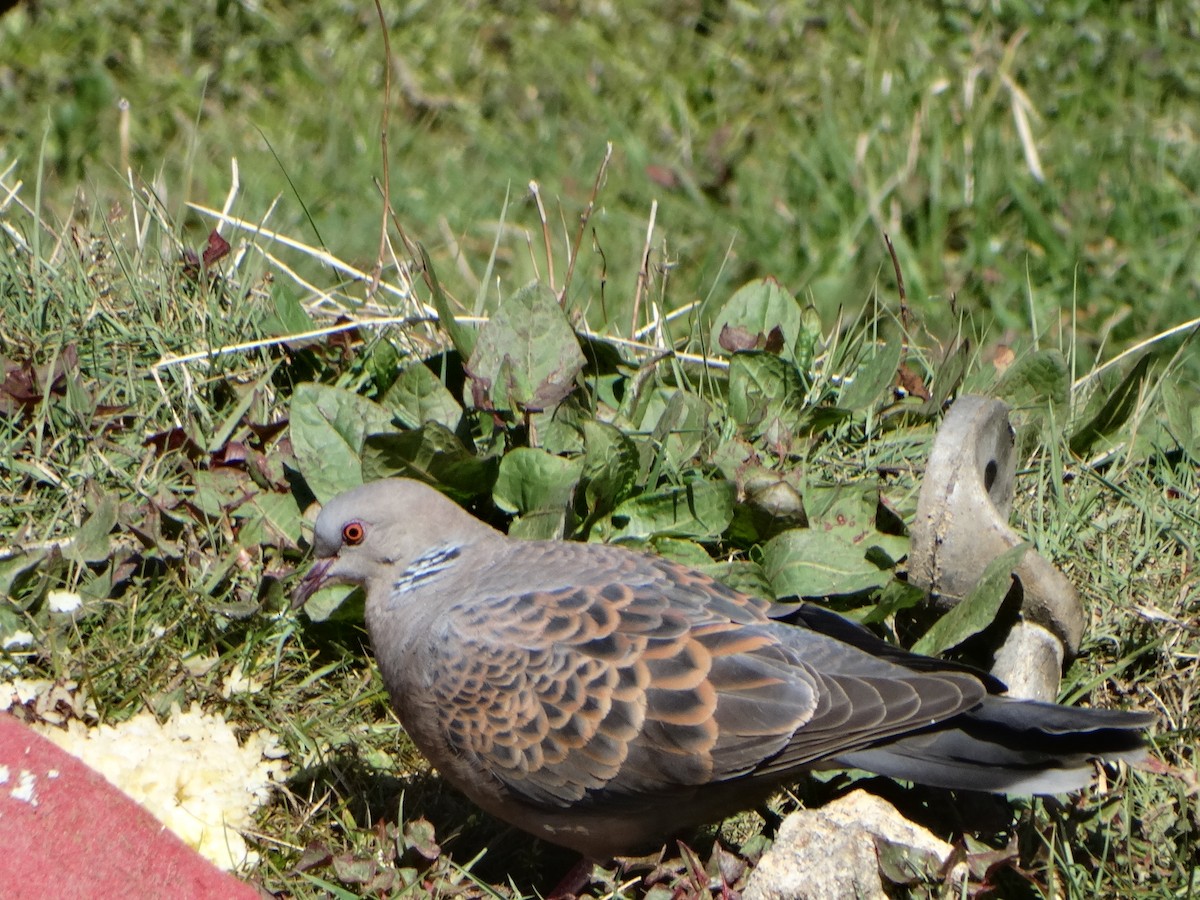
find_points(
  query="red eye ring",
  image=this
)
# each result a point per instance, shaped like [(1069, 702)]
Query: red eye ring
[(353, 533)]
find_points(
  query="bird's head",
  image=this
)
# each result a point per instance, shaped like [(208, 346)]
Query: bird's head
[(369, 534)]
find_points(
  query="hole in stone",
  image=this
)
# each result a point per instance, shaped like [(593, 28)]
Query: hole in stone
[(989, 474)]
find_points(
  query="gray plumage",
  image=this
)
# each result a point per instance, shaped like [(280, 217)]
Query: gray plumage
[(604, 699)]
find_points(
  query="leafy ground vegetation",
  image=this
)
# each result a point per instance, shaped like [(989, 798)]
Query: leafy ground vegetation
[(696, 343)]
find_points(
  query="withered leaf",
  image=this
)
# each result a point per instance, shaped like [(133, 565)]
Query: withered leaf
[(911, 382), (217, 249), (735, 339)]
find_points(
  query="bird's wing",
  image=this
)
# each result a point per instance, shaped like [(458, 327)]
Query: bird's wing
[(823, 621), (643, 675)]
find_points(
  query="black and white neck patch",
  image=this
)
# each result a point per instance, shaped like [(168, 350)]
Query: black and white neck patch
[(426, 568)]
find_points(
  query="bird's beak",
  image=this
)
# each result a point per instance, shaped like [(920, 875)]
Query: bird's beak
[(313, 581)]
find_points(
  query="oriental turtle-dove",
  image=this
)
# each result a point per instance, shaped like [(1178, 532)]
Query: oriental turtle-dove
[(605, 699)]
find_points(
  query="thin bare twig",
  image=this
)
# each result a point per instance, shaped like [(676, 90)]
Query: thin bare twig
[(599, 248), (537, 272), (377, 273), (322, 256), (899, 286), (123, 118), (235, 186), (658, 320), (584, 218), (644, 268), (380, 322), (1191, 324), (639, 347), (537, 199)]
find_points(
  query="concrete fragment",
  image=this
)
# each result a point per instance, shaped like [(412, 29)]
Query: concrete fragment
[(1030, 662), (962, 524)]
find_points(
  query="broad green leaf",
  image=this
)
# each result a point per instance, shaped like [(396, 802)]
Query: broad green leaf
[(820, 419), (383, 363), (816, 562), (610, 466), (848, 511), (846, 505), (539, 488), (1182, 420), (700, 509), (217, 489), (772, 502), (903, 863), (764, 388), (609, 388), (977, 610), (419, 836), (1115, 410), (328, 427), (337, 602), (679, 427), (871, 378), (734, 455), (12, 623), (896, 595), (886, 550), (527, 355), (560, 430), (747, 577), (432, 454), (269, 518), (1036, 378), (758, 307), (288, 315), (682, 551), (418, 396), (91, 543), (16, 571), (946, 379)]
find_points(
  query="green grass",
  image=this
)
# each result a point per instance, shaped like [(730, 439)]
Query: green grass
[(781, 144)]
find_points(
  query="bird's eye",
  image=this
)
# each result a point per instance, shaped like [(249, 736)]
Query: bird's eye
[(353, 533)]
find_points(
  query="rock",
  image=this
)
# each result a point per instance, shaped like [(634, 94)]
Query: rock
[(834, 852)]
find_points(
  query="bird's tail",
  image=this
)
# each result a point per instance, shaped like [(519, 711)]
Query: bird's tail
[(1010, 746)]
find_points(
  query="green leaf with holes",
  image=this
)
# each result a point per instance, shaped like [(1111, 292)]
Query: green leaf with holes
[(759, 307), (527, 355)]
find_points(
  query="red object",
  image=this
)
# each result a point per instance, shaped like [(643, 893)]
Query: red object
[(66, 833)]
